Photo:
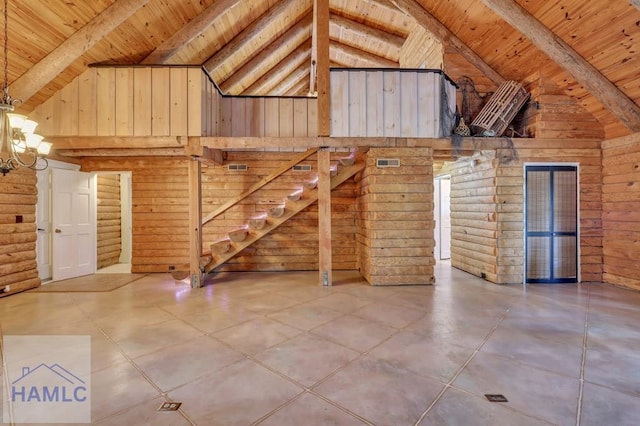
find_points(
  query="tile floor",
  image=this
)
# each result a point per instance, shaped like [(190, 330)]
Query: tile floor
[(276, 349)]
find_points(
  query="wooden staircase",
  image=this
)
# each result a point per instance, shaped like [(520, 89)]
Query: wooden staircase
[(241, 238)]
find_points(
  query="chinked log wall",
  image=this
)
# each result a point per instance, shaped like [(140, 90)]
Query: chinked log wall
[(621, 207), (487, 200), (18, 268)]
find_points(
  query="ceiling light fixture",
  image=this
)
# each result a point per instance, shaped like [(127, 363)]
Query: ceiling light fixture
[(18, 142)]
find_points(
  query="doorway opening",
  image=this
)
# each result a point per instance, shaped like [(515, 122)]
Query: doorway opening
[(551, 224), (442, 217), (113, 239)]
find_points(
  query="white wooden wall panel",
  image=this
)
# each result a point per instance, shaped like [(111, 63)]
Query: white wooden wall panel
[(392, 103)]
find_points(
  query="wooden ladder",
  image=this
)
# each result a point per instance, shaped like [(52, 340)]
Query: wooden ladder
[(239, 239)]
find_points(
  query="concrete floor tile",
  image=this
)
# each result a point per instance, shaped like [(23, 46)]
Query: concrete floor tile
[(256, 335), (152, 338), (379, 392), (203, 355), (305, 316), (390, 315), (306, 359), (315, 412), (236, 395), (603, 406), (146, 414), (354, 332), (529, 390), (457, 408)]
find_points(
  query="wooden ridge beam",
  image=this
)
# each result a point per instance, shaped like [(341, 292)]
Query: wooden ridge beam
[(278, 50), (189, 32), (358, 58), (254, 35), (607, 93), (265, 84), (341, 28), (49, 67), (435, 27)]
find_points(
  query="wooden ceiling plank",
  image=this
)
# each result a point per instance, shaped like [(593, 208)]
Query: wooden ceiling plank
[(434, 26), (300, 89), (272, 77), (278, 50), (48, 68), (290, 81), (612, 98), (359, 58), (280, 12), (190, 31), (342, 29)]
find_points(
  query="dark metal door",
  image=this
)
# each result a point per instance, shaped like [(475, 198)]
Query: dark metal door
[(551, 224)]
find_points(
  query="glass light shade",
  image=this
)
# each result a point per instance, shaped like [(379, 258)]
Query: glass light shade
[(44, 148), (19, 146), (16, 121), (33, 140), (29, 126)]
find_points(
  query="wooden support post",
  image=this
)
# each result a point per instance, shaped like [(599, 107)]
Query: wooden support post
[(322, 69), (324, 216), (195, 228)]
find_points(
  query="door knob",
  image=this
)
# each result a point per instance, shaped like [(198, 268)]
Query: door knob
[(58, 231)]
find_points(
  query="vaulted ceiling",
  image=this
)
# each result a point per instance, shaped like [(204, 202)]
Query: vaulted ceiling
[(265, 47)]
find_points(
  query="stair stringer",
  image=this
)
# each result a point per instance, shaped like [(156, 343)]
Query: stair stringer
[(292, 208)]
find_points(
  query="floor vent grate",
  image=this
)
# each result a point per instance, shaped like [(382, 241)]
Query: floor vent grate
[(170, 406), (496, 397)]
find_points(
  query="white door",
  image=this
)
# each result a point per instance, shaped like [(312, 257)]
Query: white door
[(73, 222), (43, 220)]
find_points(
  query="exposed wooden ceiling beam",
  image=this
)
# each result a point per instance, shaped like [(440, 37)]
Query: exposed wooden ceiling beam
[(290, 81), (343, 29), (116, 142), (358, 58), (271, 78), (371, 12), (39, 75), (278, 50), (190, 31), (122, 152), (431, 24), (283, 11), (612, 98)]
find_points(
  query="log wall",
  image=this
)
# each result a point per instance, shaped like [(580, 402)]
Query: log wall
[(394, 103), (395, 218), (621, 207), (160, 213), (551, 113), (474, 215), (487, 208), (294, 245), (18, 197), (109, 223)]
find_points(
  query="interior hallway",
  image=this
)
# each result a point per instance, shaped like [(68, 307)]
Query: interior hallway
[(276, 349)]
